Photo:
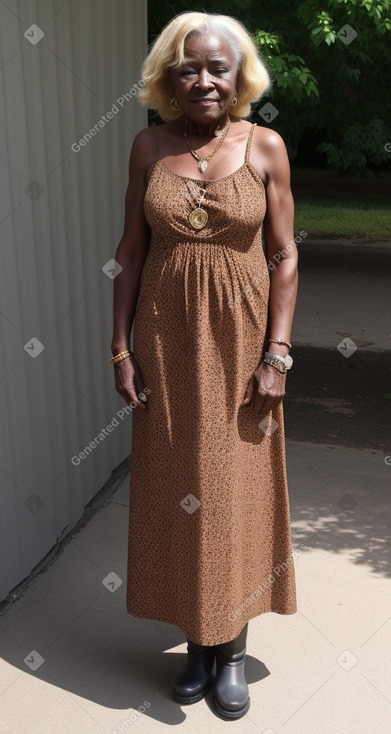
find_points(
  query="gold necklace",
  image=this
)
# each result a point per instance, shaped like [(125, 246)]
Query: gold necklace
[(203, 162), (198, 217)]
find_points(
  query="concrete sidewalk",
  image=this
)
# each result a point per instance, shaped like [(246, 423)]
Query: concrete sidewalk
[(73, 659)]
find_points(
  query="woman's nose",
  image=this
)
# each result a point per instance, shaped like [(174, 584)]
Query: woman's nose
[(204, 80)]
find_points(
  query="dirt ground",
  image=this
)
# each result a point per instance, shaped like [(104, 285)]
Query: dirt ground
[(330, 400)]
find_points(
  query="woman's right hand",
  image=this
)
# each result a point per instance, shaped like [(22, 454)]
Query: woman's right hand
[(129, 382)]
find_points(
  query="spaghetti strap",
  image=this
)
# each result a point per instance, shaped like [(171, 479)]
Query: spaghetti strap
[(156, 140), (249, 139)]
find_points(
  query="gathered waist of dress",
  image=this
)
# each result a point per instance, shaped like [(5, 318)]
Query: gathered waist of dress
[(219, 243), (180, 256)]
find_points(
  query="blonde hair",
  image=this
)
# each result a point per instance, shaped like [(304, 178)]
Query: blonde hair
[(168, 52)]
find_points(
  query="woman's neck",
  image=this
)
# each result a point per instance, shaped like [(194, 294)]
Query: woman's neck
[(207, 130)]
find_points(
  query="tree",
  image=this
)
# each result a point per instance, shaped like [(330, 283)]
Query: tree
[(329, 62)]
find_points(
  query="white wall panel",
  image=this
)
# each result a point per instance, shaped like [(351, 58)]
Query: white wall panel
[(61, 218)]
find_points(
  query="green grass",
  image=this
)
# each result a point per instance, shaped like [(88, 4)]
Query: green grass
[(337, 219), (310, 174), (327, 205)]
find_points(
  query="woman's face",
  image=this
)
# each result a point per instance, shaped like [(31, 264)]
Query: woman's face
[(204, 86)]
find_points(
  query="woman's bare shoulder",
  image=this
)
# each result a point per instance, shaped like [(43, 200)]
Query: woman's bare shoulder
[(268, 140), (271, 148), (143, 150)]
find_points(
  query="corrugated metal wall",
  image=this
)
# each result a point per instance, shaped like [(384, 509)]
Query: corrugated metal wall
[(66, 68)]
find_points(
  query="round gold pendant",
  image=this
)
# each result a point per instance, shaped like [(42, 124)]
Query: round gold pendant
[(198, 218)]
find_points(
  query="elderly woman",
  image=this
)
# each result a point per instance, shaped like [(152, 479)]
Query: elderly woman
[(209, 525)]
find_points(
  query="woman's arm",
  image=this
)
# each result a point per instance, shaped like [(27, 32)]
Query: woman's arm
[(281, 250), (132, 249), (267, 386), (130, 254)]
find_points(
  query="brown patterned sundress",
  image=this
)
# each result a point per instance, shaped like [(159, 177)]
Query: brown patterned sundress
[(209, 524)]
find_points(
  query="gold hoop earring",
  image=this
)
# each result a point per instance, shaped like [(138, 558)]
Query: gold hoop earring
[(174, 104), (235, 99)]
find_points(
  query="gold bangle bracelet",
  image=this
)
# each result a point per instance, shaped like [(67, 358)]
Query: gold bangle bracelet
[(279, 341), (120, 356)]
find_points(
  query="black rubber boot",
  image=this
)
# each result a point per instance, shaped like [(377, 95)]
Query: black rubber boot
[(231, 697), (196, 679)]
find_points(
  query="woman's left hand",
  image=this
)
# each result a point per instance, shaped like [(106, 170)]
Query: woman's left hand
[(265, 389)]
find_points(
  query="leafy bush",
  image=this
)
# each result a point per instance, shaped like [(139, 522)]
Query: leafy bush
[(360, 145)]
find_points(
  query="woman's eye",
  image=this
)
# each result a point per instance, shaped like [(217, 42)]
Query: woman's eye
[(188, 72)]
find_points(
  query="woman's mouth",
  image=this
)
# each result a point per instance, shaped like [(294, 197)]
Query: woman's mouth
[(205, 102)]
